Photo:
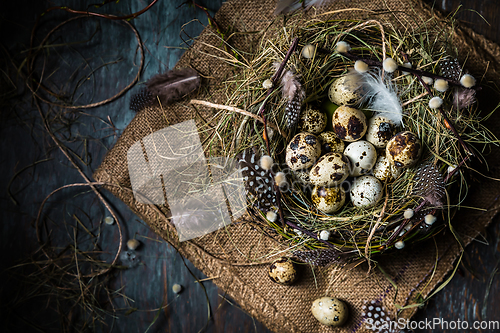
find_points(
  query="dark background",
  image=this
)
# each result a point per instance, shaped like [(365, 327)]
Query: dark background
[(32, 167)]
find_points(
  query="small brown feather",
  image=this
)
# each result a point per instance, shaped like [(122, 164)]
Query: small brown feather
[(174, 85)]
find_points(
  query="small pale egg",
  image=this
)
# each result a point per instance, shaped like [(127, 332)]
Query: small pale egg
[(133, 243), (380, 131), (324, 235), (328, 199), (427, 80), (342, 47), (303, 151), (366, 191), (362, 155), (330, 170), (399, 245), (176, 288), (330, 311), (267, 84), (308, 51), (390, 65), (331, 143), (349, 124), (312, 121), (468, 81), (346, 90), (385, 171), (404, 149), (283, 271)]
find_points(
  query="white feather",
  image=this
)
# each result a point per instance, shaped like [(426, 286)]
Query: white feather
[(381, 96)]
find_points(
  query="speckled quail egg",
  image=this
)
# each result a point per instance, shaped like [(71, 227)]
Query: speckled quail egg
[(403, 150), (312, 121), (330, 143), (362, 155), (349, 124), (385, 171), (380, 131), (302, 176), (330, 311), (330, 170), (346, 90), (366, 191), (283, 271), (328, 199), (302, 151)]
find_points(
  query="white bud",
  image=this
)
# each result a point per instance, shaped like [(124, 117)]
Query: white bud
[(280, 179), (324, 234), (390, 65), (267, 84), (407, 65), (361, 67), (342, 47), (399, 245), (271, 216), (430, 219), (468, 81), (408, 226), (435, 102), (176, 288), (308, 51), (266, 162), (298, 232), (427, 80), (408, 214), (451, 168), (109, 220), (132, 244), (441, 85)]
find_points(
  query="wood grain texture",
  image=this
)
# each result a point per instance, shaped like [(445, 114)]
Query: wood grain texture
[(148, 286)]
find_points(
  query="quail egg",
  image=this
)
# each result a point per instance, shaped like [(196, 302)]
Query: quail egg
[(283, 271), (312, 121), (404, 149), (330, 170), (346, 90), (366, 191), (380, 131), (330, 311), (328, 199), (302, 176), (385, 171), (330, 143), (302, 151), (362, 155), (349, 124)]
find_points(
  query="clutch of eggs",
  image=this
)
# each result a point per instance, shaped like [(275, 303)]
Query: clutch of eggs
[(371, 150)]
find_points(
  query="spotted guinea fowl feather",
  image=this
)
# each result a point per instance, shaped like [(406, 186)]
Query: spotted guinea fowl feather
[(294, 93), (429, 184), (259, 183)]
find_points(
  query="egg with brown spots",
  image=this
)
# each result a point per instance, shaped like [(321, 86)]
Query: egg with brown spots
[(349, 123), (385, 171), (362, 155), (403, 150), (346, 90), (330, 143), (328, 199), (366, 192), (302, 176), (303, 151), (283, 271), (312, 121), (380, 131), (330, 311), (330, 170)]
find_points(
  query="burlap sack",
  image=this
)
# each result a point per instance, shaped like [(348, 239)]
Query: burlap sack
[(287, 309)]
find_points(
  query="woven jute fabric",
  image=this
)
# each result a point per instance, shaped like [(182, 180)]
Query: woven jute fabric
[(225, 254)]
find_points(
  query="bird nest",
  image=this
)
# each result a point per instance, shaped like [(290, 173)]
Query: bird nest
[(291, 74)]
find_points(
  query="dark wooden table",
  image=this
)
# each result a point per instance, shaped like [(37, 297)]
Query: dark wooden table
[(32, 167)]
